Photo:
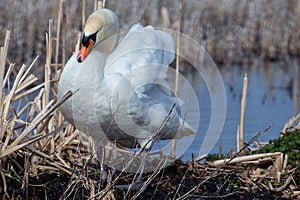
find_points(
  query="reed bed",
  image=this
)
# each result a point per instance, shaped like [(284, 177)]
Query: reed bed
[(42, 156), (231, 31), (34, 138)]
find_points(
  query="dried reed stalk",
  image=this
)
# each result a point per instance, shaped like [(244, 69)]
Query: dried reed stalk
[(165, 16), (45, 112), (77, 46), (83, 13), (64, 32), (291, 124), (16, 147), (59, 18), (8, 73), (95, 5), (48, 64), (3, 55), (173, 146), (8, 98), (101, 4), (246, 158), (27, 82), (28, 91), (28, 69), (243, 110)]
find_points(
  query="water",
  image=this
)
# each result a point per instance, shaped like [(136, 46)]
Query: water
[(273, 98)]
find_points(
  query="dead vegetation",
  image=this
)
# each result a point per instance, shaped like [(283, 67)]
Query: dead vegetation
[(231, 31), (42, 157)]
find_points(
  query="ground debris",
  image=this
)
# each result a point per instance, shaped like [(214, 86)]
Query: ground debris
[(171, 182)]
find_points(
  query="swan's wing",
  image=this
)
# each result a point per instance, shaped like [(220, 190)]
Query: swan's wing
[(141, 61), (142, 56), (162, 103)]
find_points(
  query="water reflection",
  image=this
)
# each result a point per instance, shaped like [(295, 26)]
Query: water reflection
[(295, 85), (273, 97)]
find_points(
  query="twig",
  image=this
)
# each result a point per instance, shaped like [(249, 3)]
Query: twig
[(219, 196), (95, 5), (4, 183), (287, 182), (160, 180)]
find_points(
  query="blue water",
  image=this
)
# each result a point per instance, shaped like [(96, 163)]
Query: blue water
[(273, 98)]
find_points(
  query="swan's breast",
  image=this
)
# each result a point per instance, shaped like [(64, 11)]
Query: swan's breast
[(83, 78)]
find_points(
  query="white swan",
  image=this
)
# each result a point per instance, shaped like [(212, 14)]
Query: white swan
[(122, 94)]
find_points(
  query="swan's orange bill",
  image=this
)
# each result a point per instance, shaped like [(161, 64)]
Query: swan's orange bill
[(84, 51)]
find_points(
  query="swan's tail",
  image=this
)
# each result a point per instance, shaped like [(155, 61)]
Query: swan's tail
[(185, 130)]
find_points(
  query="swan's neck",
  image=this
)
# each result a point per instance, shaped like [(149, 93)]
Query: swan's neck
[(107, 45), (107, 24)]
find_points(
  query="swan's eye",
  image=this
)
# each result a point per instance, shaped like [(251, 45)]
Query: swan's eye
[(85, 39), (94, 36)]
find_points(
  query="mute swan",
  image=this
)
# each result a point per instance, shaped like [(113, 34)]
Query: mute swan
[(122, 94)]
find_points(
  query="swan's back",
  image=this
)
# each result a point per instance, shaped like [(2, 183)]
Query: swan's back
[(143, 55)]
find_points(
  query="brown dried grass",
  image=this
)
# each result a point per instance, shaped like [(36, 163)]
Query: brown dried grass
[(232, 31)]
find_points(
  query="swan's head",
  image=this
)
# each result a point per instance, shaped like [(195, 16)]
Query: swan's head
[(101, 25)]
